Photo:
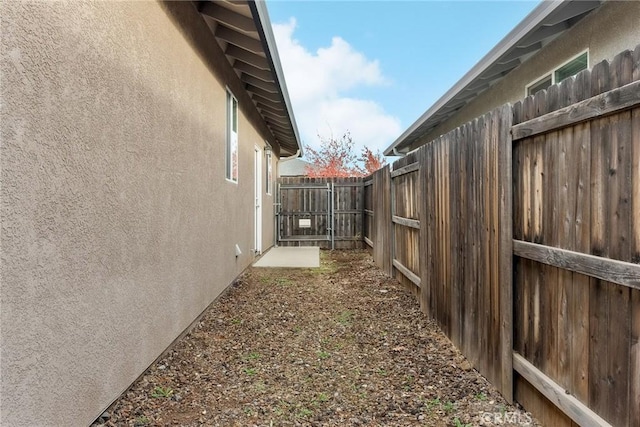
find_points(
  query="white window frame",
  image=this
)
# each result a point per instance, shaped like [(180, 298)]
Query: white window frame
[(537, 82), (552, 73), (231, 145)]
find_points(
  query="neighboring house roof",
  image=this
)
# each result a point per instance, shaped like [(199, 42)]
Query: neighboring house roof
[(546, 22), (293, 167), (243, 31)]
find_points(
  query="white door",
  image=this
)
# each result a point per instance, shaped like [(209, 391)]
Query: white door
[(258, 200)]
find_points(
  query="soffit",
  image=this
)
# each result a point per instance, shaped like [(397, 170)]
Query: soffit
[(243, 32)]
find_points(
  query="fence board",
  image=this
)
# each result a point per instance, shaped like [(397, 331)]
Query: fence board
[(504, 165), (381, 223), (427, 261), (457, 298), (634, 339), (560, 142), (578, 305), (599, 295)]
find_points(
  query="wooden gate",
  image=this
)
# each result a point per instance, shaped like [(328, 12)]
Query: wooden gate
[(321, 212), (304, 214)]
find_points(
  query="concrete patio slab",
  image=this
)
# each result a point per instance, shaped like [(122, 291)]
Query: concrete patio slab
[(297, 257)]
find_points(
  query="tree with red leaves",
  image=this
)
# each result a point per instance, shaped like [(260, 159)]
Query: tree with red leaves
[(335, 159), (371, 161)]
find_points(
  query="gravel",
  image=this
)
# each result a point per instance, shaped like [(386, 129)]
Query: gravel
[(339, 345)]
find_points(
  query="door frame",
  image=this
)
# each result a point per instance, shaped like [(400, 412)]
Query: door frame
[(257, 200)]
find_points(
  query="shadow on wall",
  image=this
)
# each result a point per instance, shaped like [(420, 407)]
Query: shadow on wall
[(197, 33)]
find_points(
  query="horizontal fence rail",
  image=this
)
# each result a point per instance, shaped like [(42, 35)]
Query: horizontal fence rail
[(576, 410), (611, 270)]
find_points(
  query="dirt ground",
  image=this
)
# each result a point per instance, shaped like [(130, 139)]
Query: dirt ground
[(340, 345)]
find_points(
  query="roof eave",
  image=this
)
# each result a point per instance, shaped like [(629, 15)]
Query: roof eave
[(528, 24), (263, 23)]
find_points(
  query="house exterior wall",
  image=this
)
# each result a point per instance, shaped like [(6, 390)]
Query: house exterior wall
[(118, 225), (606, 32)]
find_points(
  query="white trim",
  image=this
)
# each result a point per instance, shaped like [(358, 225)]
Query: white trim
[(536, 81), (553, 70)]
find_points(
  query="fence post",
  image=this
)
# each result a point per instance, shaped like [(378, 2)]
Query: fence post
[(332, 209), (276, 216), (423, 242), (505, 182), (392, 230)]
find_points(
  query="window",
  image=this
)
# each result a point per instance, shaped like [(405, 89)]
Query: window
[(568, 69), (269, 170), (232, 138), (571, 68), (541, 84)]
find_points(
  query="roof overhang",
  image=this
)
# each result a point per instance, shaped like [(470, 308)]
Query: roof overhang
[(546, 22), (243, 31)]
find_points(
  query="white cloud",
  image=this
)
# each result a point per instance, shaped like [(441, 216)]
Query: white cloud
[(318, 84)]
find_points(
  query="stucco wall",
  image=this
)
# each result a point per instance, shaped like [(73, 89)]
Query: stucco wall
[(118, 226), (606, 32)]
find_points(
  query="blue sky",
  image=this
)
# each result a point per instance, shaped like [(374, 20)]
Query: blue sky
[(373, 67)]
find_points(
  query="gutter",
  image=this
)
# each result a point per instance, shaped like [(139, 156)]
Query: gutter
[(296, 155), (396, 152)]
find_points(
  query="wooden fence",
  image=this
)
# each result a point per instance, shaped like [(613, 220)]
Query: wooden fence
[(447, 236), (577, 237), (520, 234)]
